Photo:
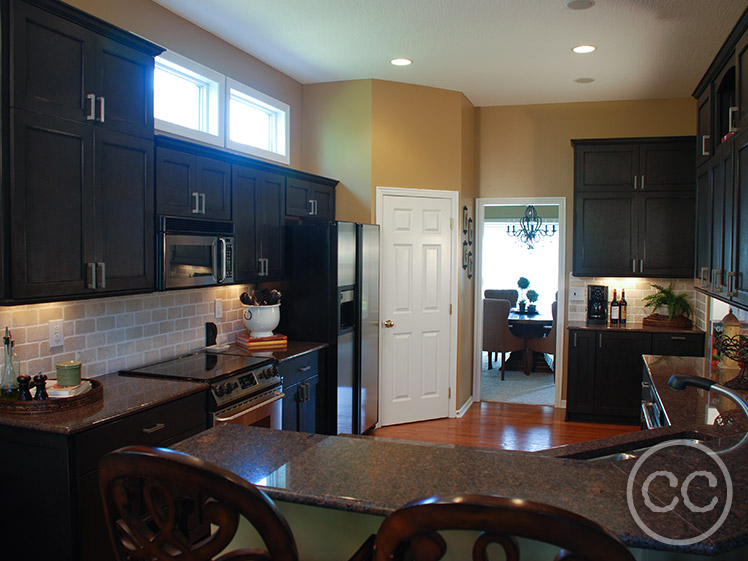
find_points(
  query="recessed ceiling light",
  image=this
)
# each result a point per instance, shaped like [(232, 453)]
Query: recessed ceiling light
[(584, 49), (584, 80), (401, 61), (579, 4)]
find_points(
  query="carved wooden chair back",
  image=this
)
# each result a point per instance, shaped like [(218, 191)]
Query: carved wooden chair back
[(163, 505), (412, 531), (502, 294)]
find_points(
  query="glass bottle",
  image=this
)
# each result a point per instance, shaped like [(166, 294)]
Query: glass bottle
[(623, 307), (614, 309), (9, 383)]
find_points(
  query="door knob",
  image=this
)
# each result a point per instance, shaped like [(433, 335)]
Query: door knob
[(389, 323)]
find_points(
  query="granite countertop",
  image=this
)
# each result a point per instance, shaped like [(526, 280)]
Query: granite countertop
[(293, 350), (122, 396), (630, 326), (378, 475)]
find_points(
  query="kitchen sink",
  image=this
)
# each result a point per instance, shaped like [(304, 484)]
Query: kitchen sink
[(633, 450)]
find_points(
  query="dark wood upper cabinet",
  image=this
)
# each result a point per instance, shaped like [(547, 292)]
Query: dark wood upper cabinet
[(80, 187), (258, 198), (634, 207), (737, 283), (309, 199), (191, 185), (80, 68)]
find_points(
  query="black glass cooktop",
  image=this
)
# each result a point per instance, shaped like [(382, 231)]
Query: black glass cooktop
[(199, 367)]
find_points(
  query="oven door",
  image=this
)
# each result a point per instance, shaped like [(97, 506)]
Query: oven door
[(264, 410)]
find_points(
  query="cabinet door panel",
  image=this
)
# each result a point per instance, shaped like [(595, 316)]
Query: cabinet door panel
[(605, 234), (742, 82), (703, 232), (678, 344), (175, 182), (270, 224), (127, 87), (125, 228), (741, 220), (666, 166), (580, 394), (53, 62), (721, 219), (51, 206), (325, 202), (291, 407), (244, 185), (606, 168), (298, 194), (213, 180), (704, 141), (619, 373), (666, 233)]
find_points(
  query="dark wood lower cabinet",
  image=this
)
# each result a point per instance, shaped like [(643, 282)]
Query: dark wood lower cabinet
[(50, 480), (604, 378), (301, 403)]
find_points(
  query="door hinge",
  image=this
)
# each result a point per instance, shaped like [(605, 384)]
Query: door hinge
[(449, 392), (451, 223), (450, 309)]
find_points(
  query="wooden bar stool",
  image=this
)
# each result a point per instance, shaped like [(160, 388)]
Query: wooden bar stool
[(163, 505), (412, 531)]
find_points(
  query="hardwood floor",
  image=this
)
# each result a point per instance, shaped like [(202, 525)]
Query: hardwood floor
[(505, 426)]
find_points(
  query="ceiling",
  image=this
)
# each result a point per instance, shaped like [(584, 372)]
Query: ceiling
[(497, 52)]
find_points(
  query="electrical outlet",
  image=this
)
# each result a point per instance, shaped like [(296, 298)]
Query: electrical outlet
[(218, 308), (576, 294), (56, 337)]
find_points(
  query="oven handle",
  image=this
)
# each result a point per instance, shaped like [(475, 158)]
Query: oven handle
[(265, 403), (648, 420)]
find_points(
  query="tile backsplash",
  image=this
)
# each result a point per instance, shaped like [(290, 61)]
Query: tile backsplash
[(636, 289), (109, 334)]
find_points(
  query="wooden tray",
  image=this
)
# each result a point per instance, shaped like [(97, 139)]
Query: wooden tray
[(659, 320), (53, 405)]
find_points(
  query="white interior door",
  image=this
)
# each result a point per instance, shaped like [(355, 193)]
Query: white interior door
[(416, 317)]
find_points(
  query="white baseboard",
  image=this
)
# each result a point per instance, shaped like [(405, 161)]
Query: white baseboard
[(464, 409)]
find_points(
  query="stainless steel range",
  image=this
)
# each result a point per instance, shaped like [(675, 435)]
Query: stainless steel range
[(243, 389)]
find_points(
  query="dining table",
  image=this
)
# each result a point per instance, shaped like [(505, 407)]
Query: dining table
[(527, 326)]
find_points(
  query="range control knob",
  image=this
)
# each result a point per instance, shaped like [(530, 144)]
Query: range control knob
[(219, 391), (229, 388)]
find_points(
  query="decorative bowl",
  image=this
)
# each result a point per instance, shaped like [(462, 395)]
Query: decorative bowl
[(261, 320)]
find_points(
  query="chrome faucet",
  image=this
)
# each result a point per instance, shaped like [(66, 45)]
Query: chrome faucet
[(682, 382)]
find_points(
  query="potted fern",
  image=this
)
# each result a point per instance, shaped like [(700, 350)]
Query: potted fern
[(677, 305)]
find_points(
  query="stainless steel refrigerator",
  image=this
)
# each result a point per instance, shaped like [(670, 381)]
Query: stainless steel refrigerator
[(331, 295)]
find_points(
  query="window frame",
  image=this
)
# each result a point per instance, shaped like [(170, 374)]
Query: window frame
[(278, 107), (215, 104)]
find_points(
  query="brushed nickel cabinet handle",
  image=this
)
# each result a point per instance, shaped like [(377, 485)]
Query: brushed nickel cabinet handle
[(101, 269), (305, 368), (704, 138), (91, 275), (155, 428), (196, 208), (102, 101), (91, 108), (642, 182), (634, 183)]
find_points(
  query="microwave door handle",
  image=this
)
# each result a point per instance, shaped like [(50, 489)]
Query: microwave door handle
[(221, 261), (217, 259)]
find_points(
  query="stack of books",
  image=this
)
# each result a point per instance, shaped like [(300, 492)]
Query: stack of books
[(54, 391), (275, 342)]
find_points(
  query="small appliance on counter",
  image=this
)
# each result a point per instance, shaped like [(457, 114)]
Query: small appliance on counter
[(597, 304)]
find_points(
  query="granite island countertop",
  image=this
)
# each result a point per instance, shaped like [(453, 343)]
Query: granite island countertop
[(632, 326), (377, 475)]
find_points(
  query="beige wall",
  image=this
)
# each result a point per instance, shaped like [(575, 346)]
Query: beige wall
[(337, 139), (149, 20)]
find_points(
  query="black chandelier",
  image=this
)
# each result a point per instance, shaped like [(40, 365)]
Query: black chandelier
[(531, 228)]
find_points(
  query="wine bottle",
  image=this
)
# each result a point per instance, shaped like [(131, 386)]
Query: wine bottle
[(614, 309), (622, 304)]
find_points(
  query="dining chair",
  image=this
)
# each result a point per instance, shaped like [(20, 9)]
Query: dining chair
[(511, 295), (412, 531), (497, 337), (160, 504), (545, 345)]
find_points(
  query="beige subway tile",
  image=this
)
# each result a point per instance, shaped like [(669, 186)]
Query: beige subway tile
[(160, 341), (76, 343), (125, 320), (106, 352), (167, 300), (95, 309), (27, 351), (168, 352), (48, 314), (134, 305), (18, 334), (196, 321), (106, 323), (142, 345), (152, 356), (175, 338), (114, 307), (134, 332), (189, 310), (196, 297), (35, 333), (83, 326), (115, 336), (174, 313), (166, 326), (95, 340), (127, 348), (205, 308), (116, 364), (95, 369), (25, 317), (141, 318), (158, 315), (183, 348), (150, 330), (43, 365), (87, 355), (181, 324), (74, 311)]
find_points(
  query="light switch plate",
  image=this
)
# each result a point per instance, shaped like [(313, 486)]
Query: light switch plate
[(56, 337), (218, 308), (576, 294)]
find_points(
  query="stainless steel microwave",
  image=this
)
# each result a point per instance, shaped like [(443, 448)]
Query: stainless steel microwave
[(194, 252)]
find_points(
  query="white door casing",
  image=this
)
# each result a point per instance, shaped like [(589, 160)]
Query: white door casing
[(418, 364)]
